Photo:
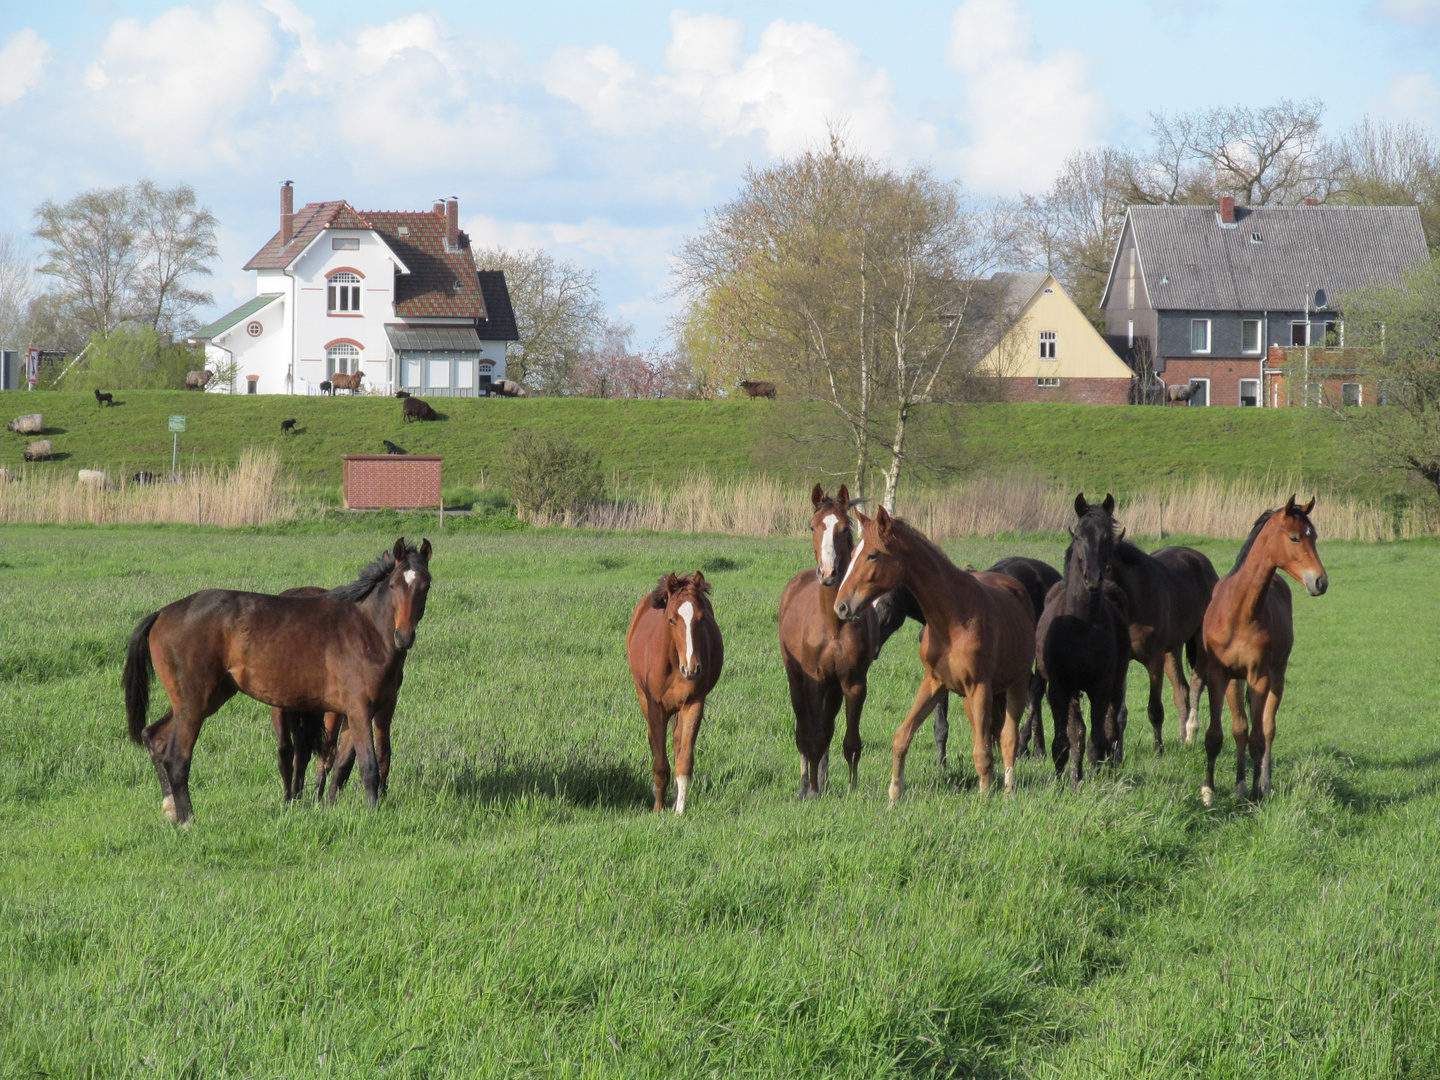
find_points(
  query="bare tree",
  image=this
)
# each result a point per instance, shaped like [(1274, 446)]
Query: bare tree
[(177, 244), (17, 289), (1377, 163), (558, 313)]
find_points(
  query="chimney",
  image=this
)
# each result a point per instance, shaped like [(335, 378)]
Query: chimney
[(287, 213), (1312, 201), (1227, 209), (452, 224), (439, 207)]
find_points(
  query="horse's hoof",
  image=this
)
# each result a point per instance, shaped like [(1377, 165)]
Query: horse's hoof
[(1010, 781), (1207, 796), (896, 790), (1240, 792), (167, 807)]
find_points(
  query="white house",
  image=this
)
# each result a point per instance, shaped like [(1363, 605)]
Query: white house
[(394, 294)]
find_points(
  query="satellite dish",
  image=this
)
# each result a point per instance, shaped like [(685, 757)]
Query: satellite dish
[(1319, 299)]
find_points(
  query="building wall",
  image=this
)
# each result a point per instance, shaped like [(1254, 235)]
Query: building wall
[(1070, 391), (316, 328), (266, 355), (1224, 374)]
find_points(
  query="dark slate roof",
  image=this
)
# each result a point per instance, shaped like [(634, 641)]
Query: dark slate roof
[(1190, 262), (308, 221), (498, 323), (433, 338), (241, 313), (1017, 289)]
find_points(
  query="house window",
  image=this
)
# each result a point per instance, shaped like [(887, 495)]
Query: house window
[(1349, 393), (1334, 335), (464, 374), (1047, 344), (1250, 335), (1199, 335), (1201, 395), (342, 358), (344, 292), (412, 373), (437, 373), (1250, 392), (345, 243), (1299, 333), (1048, 382)]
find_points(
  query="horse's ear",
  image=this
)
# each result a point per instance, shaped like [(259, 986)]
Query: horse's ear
[(1120, 537), (1308, 506), (425, 552), (700, 583), (1081, 506), (882, 521), (671, 582), (1290, 506), (817, 496), (843, 497), (399, 551), (1109, 504)]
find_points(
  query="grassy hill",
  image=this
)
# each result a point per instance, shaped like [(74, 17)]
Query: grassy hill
[(1118, 449)]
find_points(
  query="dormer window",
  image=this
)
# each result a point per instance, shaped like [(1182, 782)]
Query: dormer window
[(344, 293), (1256, 238)]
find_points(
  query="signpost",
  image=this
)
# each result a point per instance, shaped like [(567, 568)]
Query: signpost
[(32, 368), (177, 425)]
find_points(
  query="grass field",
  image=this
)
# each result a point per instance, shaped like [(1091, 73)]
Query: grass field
[(513, 909), (1126, 450)]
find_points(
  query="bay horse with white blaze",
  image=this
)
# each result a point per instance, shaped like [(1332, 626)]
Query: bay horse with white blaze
[(1249, 632), (341, 652), (826, 658), (675, 654), (979, 637)]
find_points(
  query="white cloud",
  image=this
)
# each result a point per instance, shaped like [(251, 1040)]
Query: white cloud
[(1024, 112), (1410, 12), (1413, 95), (645, 251), (22, 58)]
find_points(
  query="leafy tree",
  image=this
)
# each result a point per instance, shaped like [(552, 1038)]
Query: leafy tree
[(133, 358)]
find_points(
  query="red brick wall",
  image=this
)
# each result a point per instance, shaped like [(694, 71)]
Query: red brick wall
[(398, 481), (1224, 375), (1070, 391)]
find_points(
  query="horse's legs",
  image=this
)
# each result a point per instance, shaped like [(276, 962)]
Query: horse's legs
[(1239, 730), (1156, 670), (383, 718), (1080, 748), (343, 761), (1175, 672), (155, 737), (1197, 683), (1015, 701), (942, 727), (660, 765), (1034, 722), (687, 728), (1215, 680), (977, 708), (855, 691), (926, 698), (284, 752), (1265, 698), (1060, 720)]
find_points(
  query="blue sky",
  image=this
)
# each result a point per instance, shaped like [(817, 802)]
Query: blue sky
[(604, 131)]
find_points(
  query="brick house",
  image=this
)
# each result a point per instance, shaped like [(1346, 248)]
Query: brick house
[(1233, 298), (394, 294)]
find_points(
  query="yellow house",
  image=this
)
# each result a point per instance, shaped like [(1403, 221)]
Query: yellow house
[(1051, 351)]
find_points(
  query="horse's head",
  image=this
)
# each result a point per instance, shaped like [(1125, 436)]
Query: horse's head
[(1292, 546), (685, 606), (830, 531), (409, 584), (874, 567), (1094, 541)]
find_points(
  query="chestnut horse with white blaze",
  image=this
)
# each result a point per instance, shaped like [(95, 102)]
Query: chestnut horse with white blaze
[(979, 637), (675, 656), (826, 658), (1249, 632)]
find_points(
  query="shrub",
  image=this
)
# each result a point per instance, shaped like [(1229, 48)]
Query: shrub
[(551, 478), (134, 358)]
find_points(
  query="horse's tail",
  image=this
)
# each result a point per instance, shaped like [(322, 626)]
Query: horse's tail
[(1192, 649), (136, 680)]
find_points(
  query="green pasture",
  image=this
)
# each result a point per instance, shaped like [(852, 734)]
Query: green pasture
[(1125, 450), (514, 909)]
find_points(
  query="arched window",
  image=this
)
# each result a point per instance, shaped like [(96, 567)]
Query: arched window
[(344, 293), (342, 357)]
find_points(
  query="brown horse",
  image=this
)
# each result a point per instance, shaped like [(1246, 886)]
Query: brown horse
[(341, 652), (1249, 631), (1167, 593), (826, 658), (675, 656), (979, 636)]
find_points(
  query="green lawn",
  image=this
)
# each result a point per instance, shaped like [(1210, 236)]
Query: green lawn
[(513, 909), (1124, 450)]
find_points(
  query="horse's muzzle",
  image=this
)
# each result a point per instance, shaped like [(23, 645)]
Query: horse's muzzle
[(1316, 584), (847, 611), (691, 673), (826, 579), (404, 639)]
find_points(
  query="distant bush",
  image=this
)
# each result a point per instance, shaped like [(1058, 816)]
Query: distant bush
[(134, 358), (551, 478)]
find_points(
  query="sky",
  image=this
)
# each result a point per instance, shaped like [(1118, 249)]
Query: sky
[(604, 132)]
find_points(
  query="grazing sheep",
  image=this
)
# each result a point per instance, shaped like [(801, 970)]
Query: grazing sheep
[(94, 478), (198, 380), (341, 381), (144, 479), (39, 450), (287, 427), (104, 399), (416, 409), (29, 424), (508, 388), (402, 393), (759, 389), (327, 388), (391, 448), (1181, 394)]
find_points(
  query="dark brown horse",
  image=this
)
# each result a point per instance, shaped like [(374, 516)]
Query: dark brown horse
[(1167, 593), (826, 658), (979, 637), (675, 654), (341, 652), (1249, 631)]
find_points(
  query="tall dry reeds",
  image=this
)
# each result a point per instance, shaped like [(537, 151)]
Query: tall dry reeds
[(986, 506), (247, 493)]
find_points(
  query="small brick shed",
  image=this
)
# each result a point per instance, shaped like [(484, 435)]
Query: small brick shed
[(393, 481)]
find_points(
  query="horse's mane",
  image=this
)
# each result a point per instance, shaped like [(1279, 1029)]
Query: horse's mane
[(910, 536), (660, 595), (1250, 540), (374, 573), (1128, 553)]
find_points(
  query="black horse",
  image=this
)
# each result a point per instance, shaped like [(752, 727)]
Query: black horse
[(892, 609), (1083, 644)]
